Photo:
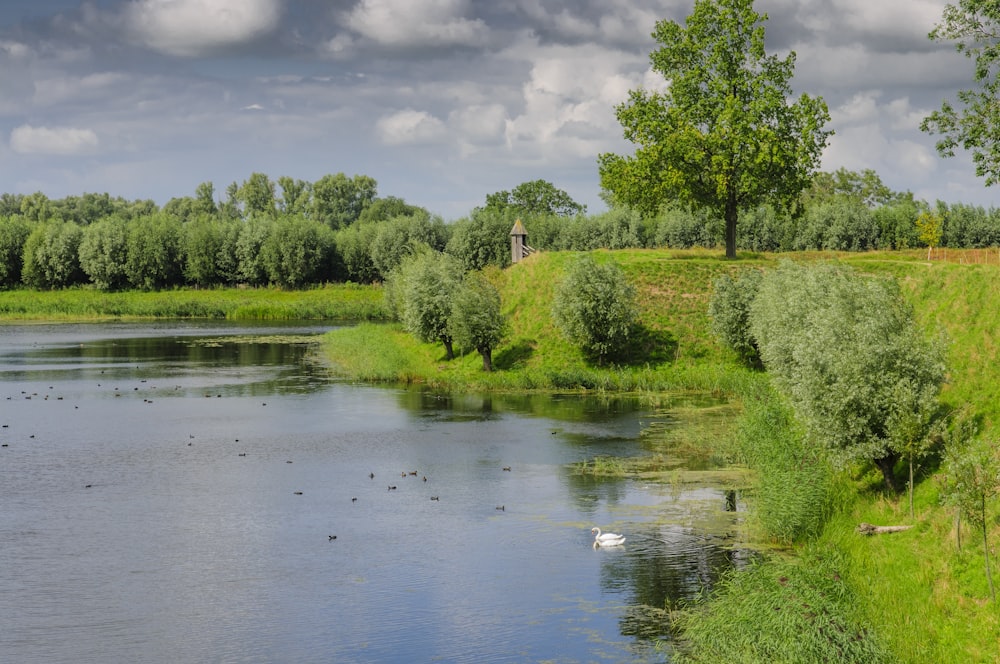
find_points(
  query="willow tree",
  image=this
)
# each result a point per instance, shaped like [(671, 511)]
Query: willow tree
[(724, 133)]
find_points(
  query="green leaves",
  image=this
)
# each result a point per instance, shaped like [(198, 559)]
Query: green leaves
[(595, 308), (535, 197), (723, 135), (424, 288), (729, 310), (476, 319), (974, 27), (846, 351)]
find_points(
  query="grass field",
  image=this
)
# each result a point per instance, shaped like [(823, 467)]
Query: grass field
[(333, 302)]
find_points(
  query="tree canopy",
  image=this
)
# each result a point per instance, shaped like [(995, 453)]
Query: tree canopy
[(535, 197), (847, 352), (722, 134), (974, 125), (594, 307)]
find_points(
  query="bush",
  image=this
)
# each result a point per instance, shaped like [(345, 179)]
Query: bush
[(846, 351), (680, 228), (297, 252), (482, 239), (14, 232), (594, 308), (729, 310), (154, 252)]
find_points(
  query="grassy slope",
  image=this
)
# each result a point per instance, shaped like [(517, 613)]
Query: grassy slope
[(920, 594), (338, 301), (673, 299), (944, 590)]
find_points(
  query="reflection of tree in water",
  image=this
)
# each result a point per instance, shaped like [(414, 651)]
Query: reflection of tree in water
[(618, 413), (592, 494), (662, 567), (238, 365)]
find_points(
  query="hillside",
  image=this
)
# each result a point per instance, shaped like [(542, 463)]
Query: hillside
[(897, 582)]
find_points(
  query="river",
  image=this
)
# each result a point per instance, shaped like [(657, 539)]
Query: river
[(205, 492)]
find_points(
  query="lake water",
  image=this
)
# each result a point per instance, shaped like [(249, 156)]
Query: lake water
[(168, 493)]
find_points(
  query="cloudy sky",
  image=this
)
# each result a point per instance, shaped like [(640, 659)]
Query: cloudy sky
[(441, 101)]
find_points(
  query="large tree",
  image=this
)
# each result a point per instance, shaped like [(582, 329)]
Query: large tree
[(974, 26), (535, 197), (723, 134)]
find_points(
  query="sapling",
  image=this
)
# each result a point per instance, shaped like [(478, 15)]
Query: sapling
[(972, 470)]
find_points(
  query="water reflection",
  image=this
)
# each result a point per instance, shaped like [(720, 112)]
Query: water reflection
[(154, 488)]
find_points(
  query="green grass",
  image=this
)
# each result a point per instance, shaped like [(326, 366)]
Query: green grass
[(782, 611), (333, 302)]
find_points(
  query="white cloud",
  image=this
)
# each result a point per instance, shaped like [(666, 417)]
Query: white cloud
[(410, 127), (339, 46), (569, 99), (196, 27), (14, 50), (52, 141), (61, 89), (406, 23), (903, 117), (861, 108), (479, 125)]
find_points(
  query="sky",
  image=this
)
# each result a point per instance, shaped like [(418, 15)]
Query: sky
[(440, 101)]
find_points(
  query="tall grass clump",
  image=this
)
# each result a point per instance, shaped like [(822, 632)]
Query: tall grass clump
[(793, 481), (781, 612)]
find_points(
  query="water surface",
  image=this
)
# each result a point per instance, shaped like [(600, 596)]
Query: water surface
[(169, 493)]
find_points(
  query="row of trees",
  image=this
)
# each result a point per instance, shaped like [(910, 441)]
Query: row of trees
[(160, 250)]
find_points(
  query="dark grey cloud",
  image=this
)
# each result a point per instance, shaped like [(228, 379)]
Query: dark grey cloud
[(442, 101)]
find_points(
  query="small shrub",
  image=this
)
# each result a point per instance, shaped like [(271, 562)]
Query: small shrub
[(729, 310)]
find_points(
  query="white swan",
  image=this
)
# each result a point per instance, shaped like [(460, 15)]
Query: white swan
[(607, 539)]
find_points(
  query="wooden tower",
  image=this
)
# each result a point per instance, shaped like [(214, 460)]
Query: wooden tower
[(519, 243)]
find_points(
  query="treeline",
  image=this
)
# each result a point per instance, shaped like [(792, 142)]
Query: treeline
[(292, 233)]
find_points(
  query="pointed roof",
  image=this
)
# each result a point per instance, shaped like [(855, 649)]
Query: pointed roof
[(518, 228)]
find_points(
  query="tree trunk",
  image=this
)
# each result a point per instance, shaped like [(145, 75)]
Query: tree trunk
[(911, 486), (732, 215), (986, 547), (449, 352), (487, 354), (958, 529), (869, 529), (887, 465)]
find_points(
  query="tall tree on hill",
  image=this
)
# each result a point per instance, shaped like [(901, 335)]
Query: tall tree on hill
[(974, 27), (722, 135)]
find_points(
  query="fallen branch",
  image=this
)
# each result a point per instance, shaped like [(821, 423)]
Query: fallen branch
[(869, 529)]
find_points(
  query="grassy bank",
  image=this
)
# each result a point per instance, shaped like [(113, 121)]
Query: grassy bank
[(671, 350), (333, 302), (909, 597)]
